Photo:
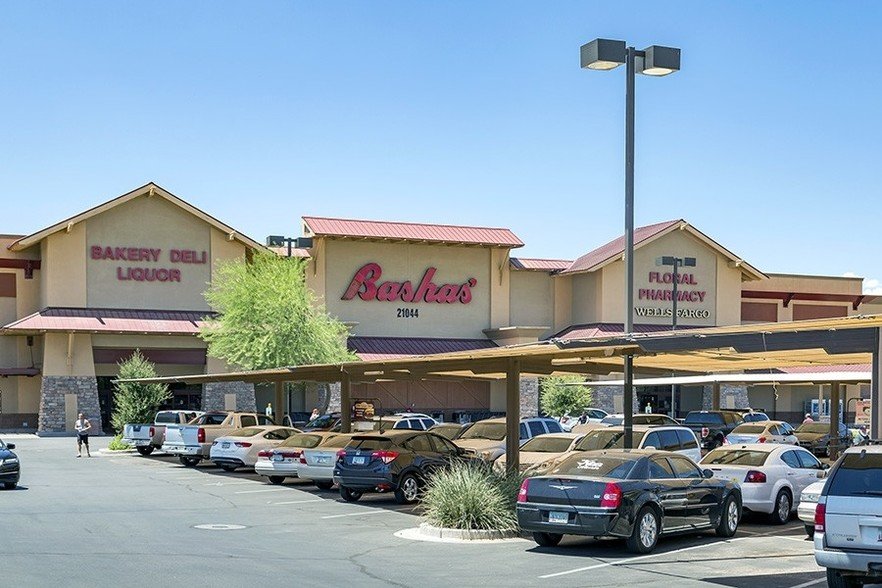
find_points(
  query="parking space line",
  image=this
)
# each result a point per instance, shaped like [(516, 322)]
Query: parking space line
[(622, 562), (356, 514), (263, 490), (297, 501), (810, 583), (233, 483)]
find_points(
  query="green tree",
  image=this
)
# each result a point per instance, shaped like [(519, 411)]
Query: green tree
[(133, 402), (269, 317), (559, 395)]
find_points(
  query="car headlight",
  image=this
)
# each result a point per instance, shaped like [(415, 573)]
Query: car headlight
[(810, 497), (9, 461)]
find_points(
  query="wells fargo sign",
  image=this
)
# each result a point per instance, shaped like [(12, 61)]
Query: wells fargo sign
[(147, 255), (366, 285), (661, 288)]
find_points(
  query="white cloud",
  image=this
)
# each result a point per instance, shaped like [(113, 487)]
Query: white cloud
[(873, 286), (849, 275)]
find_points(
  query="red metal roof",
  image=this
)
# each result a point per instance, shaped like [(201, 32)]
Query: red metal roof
[(545, 265), (368, 348), (826, 369), (616, 247), (595, 330), (110, 320), (363, 229)]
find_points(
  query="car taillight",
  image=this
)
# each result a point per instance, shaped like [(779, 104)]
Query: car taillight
[(264, 453), (705, 431), (200, 435), (611, 497), (820, 517), (761, 440), (386, 456), (755, 477), (522, 493), (289, 454), (341, 454), (243, 444), (152, 431)]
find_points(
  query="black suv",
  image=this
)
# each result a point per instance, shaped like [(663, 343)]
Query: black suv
[(397, 460), (712, 426)]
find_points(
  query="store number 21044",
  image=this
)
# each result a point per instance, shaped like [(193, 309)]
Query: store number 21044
[(408, 313)]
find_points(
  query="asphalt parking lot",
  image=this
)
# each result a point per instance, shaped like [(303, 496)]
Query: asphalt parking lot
[(126, 519)]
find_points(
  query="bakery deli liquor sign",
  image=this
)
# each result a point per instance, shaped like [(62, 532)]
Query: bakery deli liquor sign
[(691, 297), (367, 285), (147, 264)]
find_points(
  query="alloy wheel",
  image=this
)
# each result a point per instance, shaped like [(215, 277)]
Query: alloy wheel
[(410, 489), (648, 529), (783, 507), (732, 516)]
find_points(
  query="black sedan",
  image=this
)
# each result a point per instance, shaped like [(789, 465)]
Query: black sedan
[(631, 493), (398, 460), (9, 466)]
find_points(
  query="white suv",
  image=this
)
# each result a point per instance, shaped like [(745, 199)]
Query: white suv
[(848, 519), (486, 439)]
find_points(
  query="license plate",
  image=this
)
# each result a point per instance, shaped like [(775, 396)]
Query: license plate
[(558, 518), (225, 445), (359, 460), (323, 459), (278, 458)]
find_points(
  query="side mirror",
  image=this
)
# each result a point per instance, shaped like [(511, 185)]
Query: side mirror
[(10, 446), (822, 474), (707, 473)]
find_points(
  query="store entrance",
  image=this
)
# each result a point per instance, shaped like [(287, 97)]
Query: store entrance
[(656, 399), (184, 397)]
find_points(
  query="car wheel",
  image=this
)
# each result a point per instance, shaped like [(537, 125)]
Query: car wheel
[(228, 467), (276, 479), (644, 537), (9, 485), (835, 579), (323, 485), (810, 531), (408, 490), (731, 516), (190, 462), (547, 539), (349, 495), (144, 450), (781, 512)]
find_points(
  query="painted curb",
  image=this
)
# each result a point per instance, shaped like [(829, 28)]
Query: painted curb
[(417, 534), (466, 534), (117, 452)]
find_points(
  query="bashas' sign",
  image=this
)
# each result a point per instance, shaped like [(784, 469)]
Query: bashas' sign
[(367, 286)]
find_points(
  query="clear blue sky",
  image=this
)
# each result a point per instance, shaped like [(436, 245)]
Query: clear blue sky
[(460, 112)]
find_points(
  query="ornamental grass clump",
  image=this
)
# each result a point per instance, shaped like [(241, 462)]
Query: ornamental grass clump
[(471, 497)]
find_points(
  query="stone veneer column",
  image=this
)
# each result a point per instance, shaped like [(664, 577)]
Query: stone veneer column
[(332, 398), (52, 405), (529, 394), (604, 398), (214, 396), (737, 393)]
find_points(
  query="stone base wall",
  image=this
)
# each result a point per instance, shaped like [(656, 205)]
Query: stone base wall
[(529, 397), (731, 397), (52, 406), (332, 403), (611, 399), (214, 396)]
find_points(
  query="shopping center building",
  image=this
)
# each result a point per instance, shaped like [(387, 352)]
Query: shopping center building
[(84, 293)]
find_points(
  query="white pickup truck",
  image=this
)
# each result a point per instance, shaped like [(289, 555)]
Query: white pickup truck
[(192, 442), (146, 437)]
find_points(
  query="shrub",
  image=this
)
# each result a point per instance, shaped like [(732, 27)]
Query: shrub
[(133, 402), (116, 444), (558, 396), (472, 496)]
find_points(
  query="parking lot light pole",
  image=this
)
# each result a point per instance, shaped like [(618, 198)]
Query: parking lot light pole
[(606, 54)]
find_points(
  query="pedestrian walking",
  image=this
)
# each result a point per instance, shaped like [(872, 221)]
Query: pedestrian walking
[(82, 426), (269, 409)]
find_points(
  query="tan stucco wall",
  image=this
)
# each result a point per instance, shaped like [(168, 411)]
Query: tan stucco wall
[(563, 302), (148, 222), (402, 262), (500, 287), (63, 267), (55, 355), (532, 299), (586, 297)]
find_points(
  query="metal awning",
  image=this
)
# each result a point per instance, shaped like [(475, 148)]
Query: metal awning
[(748, 379)]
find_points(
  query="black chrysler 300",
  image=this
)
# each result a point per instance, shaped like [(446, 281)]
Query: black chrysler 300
[(632, 493)]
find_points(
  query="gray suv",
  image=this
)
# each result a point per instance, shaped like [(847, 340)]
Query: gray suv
[(848, 519)]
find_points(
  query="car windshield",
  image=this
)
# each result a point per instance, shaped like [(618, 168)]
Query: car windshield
[(370, 443), (606, 439), (447, 431), (612, 420), (543, 444), (338, 441), (246, 432), (753, 417), (491, 431), (748, 429), (704, 418), (599, 466), (166, 418), (735, 457), (814, 428), (210, 419), (858, 474), (321, 422), (302, 440)]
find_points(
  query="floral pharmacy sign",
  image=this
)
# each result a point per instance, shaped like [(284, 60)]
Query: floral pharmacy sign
[(366, 285)]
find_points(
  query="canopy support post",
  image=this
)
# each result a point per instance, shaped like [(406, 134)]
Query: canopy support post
[(513, 416), (715, 396), (345, 404), (875, 382), (278, 403), (833, 446)]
